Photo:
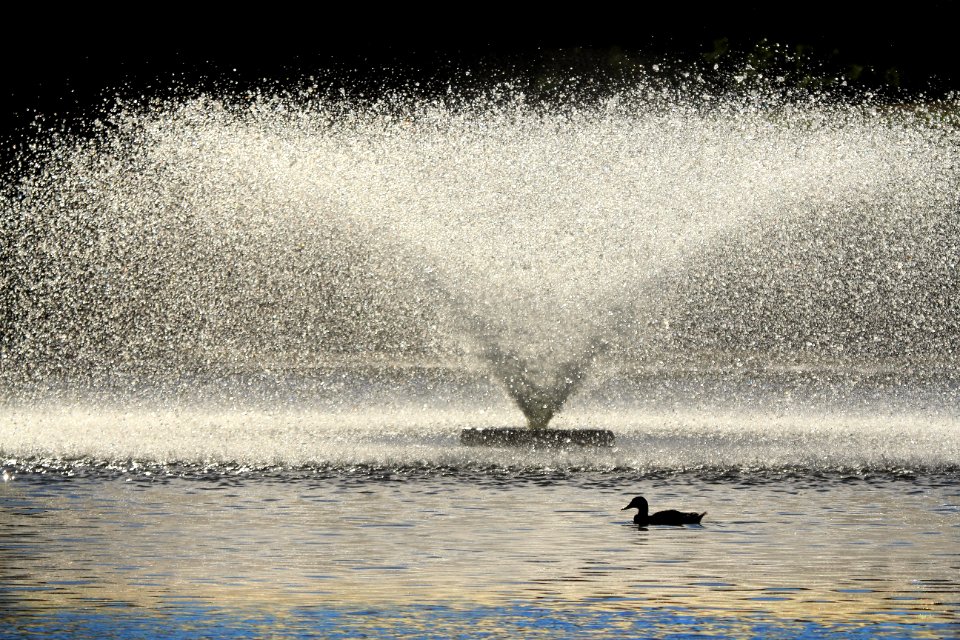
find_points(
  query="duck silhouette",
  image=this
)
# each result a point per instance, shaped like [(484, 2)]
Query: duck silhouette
[(669, 517)]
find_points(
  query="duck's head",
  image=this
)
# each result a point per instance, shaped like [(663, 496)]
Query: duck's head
[(637, 503)]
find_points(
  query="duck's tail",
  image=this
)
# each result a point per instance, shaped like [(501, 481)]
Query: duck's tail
[(700, 517)]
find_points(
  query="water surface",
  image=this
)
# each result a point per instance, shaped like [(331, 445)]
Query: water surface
[(482, 554)]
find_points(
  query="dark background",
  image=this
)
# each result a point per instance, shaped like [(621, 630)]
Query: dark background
[(59, 66)]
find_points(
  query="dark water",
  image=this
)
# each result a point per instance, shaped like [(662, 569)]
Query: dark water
[(442, 553)]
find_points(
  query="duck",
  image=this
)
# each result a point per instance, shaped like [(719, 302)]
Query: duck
[(670, 517)]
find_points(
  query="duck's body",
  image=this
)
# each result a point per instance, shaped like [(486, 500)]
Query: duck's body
[(669, 517)]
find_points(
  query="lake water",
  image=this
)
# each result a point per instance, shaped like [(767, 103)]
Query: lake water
[(92, 552)]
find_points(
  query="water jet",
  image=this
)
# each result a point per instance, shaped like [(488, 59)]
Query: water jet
[(278, 253), (539, 400)]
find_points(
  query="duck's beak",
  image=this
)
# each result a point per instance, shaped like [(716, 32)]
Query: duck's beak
[(624, 509)]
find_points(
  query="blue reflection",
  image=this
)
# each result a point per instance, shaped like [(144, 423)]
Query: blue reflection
[(192, 620)]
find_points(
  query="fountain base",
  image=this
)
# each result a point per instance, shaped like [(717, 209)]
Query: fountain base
[(521, 437)]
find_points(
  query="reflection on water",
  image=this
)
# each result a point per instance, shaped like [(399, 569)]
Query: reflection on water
[(536, 554)]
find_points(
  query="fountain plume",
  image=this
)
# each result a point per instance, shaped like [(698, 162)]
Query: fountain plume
[(541, 396), (200, 237)]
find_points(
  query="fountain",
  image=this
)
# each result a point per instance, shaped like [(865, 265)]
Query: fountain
[(270, 323), (552, 247)]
